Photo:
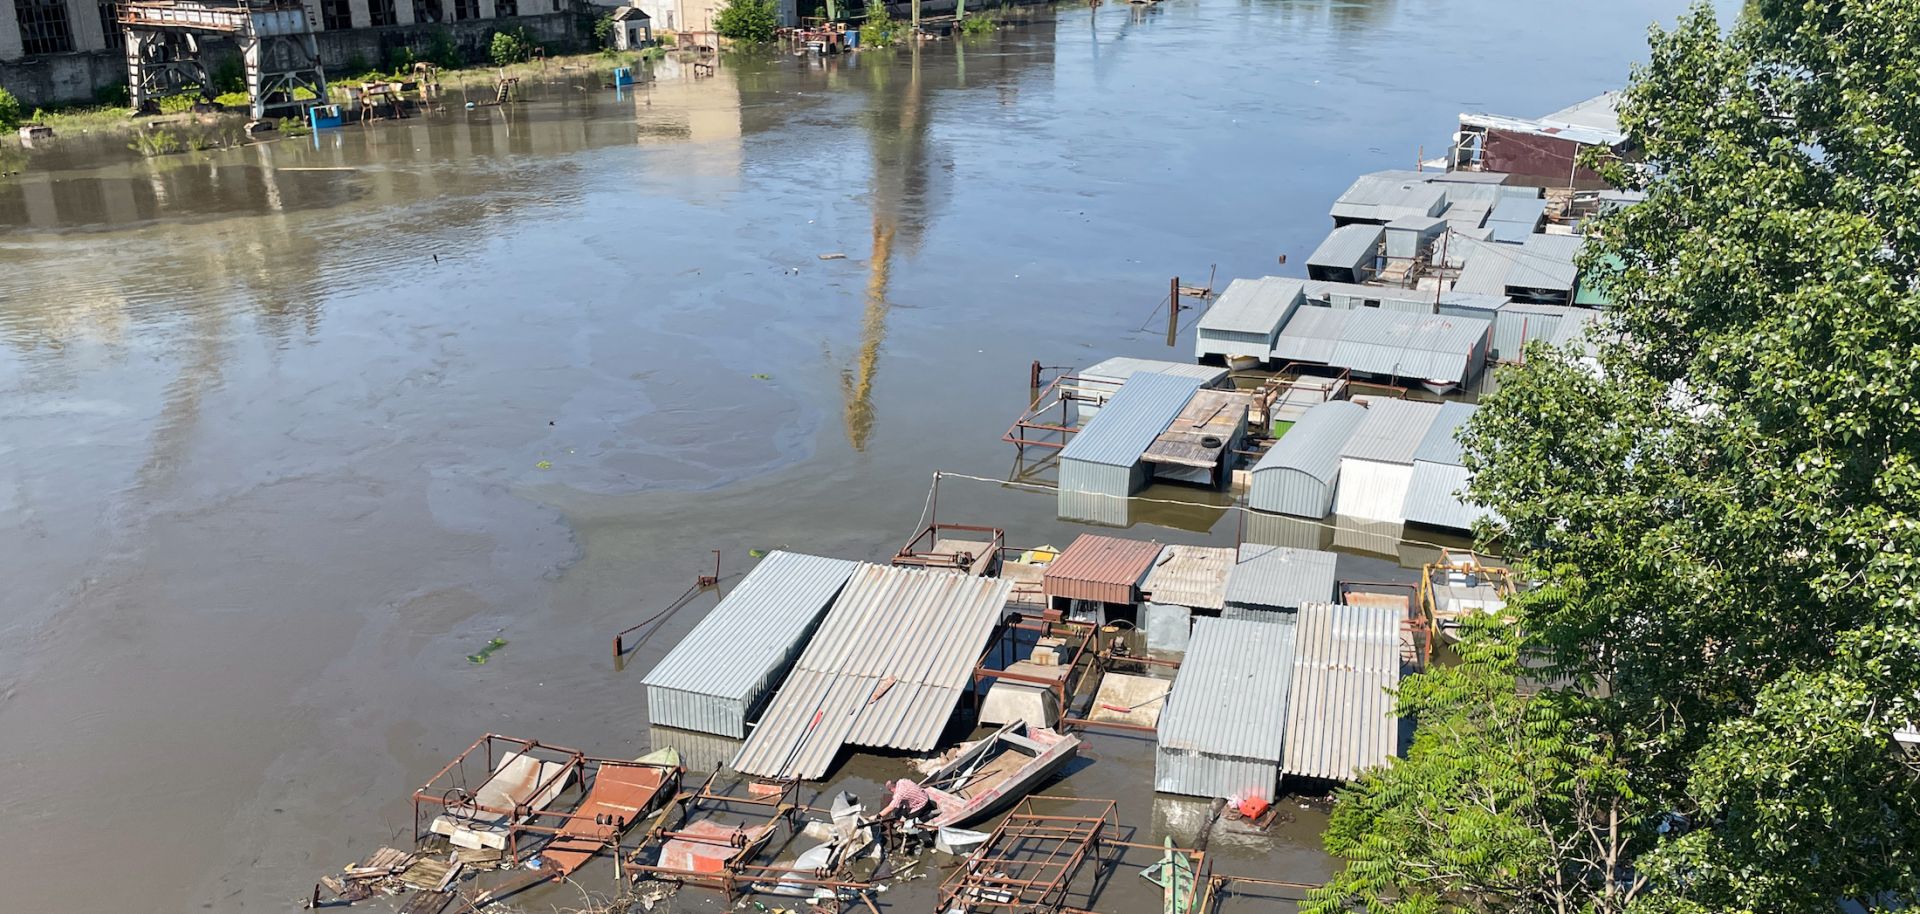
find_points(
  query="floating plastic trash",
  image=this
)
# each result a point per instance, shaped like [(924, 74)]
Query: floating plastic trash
[(487, 651)]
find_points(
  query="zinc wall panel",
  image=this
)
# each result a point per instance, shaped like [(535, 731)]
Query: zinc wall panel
[(1201, 774), (1340, 718), (1138, 412), (1230, 696), (1373, 491)]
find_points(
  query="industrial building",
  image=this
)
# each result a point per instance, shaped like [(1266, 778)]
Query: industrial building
[(719, 675)]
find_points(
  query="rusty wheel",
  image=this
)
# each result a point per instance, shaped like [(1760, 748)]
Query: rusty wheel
[(459, 803)]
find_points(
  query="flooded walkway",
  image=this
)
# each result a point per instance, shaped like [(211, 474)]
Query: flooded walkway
[(290, 430)]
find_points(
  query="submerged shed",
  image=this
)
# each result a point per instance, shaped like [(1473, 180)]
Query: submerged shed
[(1196, 445), (1091, 387), (1442, 351), (1376, 465), (1184, 580), (1099, 572), (1299, 474), (1350, 253), (1439, 475), (718, 676), (1383, 196), (1540, 269), (1246, 317), (1266, 581), (884, 671), (1340, 718), (1221, 734), (1104, 458)]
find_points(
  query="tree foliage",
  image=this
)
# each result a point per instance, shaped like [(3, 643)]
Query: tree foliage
[(510, 46), (1728, 510), (9, 110), (1504, 802), (753, 21)]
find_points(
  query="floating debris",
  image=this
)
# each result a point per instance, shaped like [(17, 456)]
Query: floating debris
[(485, 652)]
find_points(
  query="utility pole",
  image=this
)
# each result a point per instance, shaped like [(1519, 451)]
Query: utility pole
[(915, 31)]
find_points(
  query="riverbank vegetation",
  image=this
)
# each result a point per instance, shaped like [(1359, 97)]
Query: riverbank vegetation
[(1725, 516), (749, 21)]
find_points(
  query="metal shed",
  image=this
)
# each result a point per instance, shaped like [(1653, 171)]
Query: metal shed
[(1541, 269), (1411, 236), (1340, 717), (1310, 335), (1098, 382), (1438, 474), (1105, 569), (1220, 734), (1103, 459), (1350, 253), (1440, 350), (1383, 196), (1347, 296), (1376, 466), (721, 672), (1515, 218), (1299, 474), (885, 670), (1197, 446), (1245, 318), (1265, 579)]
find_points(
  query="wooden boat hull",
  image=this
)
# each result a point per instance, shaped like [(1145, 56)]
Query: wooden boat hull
[(1051, 751)]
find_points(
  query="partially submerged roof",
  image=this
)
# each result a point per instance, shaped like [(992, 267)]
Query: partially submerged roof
[(1392, 431), (1199, 437), (1436, 347), (1540, 262), (1311, 334), (739, 651), (1119, 368), (1433, 497), (1340, 714), (1231, 694), (1105, 568), (1312, 446), (1347, 247), (1138, 412), (1191, 576), (885, 670), (1255, 306), (1280, 576)]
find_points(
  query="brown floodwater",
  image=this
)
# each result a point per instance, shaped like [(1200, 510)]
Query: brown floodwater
[(287, 431)]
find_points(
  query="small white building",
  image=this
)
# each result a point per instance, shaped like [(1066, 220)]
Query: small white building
[(632, 28), (1376, 465)]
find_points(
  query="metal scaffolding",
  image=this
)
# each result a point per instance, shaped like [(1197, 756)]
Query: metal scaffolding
[(166, 40)]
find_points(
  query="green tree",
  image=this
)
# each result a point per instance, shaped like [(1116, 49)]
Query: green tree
[(752, 21), (1728, 510), (510, 46), (1504, 802), (9, 110)]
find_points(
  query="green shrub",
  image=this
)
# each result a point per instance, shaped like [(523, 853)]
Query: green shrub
[(113, 96), (443, 51), (978, 25), (603, 31), (176, 104), (880, 30), (9, 110), (510, 46), (155, 143), (230, 75), (753, 21)]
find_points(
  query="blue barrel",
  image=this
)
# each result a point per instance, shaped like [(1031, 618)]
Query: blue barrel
[(853, 38)]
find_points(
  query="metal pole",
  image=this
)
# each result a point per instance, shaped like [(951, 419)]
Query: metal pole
[(1173, 310)]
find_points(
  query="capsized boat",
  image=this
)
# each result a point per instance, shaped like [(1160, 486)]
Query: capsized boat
[(991, 774)]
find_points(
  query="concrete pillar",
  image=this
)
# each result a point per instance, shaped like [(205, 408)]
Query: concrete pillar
[(403, 12), (487, 9), (10, 48), (84, 16), (358, 14)]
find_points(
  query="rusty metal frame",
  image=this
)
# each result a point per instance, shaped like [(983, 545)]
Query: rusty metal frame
[(738, 874), (909, 557), (1081, 638), (1429, 609), (1058, 392), (522, 820), (1029, 862)]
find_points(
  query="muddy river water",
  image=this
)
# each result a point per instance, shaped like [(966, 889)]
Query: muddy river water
[(287, 431)]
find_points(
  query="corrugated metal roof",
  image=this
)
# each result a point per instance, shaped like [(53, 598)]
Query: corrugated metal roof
[(1485, 265), (1439, 445), (1422, 346), (1340, 714), (1095, 567), (1120, 368), (1280, 576), (1515, 218), (1253, 305), (1139, 411), (1432, 498), (1546, 262), (1231, 693), (754, 628), (1392, 431), (885, 670), (1191, 576), (1347, 247), (1387, 195), (1311, 334), (1312, 446), (1600, 113)]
